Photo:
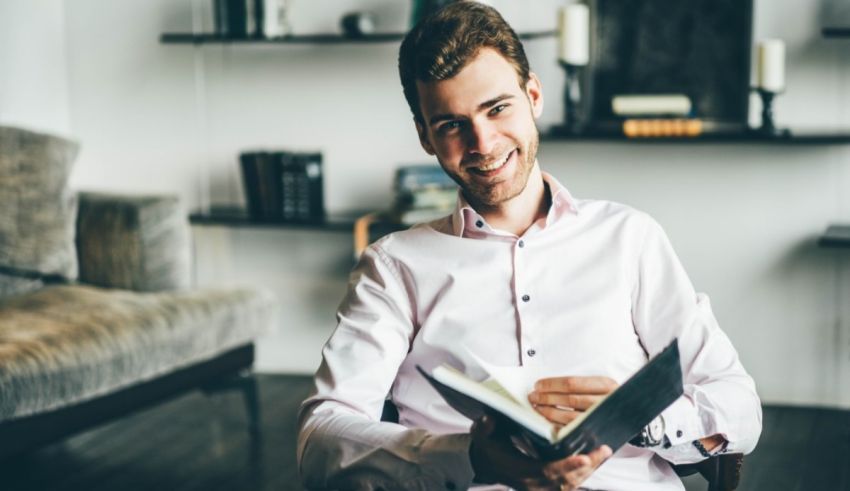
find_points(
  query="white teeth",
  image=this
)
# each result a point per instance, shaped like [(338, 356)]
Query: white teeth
[(495, 165)]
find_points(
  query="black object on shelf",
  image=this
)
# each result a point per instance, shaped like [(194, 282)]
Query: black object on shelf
[(261, 183), (836, 236), (386, 37), (574, 117), (836, 32), (699, 49), (751, 137), (768, 128), (238, 18), (283, 186)]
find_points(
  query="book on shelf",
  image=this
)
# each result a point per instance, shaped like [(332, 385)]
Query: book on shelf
[(651, 105), (260, 180), (283, 185), (422, 193), (612, 421), (414, 177)]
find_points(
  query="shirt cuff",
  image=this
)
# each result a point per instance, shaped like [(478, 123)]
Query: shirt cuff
[(682, 425)]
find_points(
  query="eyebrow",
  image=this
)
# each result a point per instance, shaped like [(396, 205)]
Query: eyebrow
[(484, 105)]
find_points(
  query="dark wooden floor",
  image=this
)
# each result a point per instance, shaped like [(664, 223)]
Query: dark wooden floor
[(201, 442)]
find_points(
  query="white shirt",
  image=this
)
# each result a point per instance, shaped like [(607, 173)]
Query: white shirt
[(595, 288)]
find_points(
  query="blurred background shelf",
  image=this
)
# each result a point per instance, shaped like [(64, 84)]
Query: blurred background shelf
[(212, 38), (749, 137), (227, 216), (238, 217), (836, 236), (836, 32)]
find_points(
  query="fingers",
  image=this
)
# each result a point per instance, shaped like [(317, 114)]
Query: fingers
[(576, 385), (575, 401), (558, 415), (599, 455), (572, 471)]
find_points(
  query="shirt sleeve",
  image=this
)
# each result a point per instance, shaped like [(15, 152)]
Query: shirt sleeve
[(342, 444), (719, 396)]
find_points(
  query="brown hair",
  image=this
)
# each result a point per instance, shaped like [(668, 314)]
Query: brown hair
[(440, 45)]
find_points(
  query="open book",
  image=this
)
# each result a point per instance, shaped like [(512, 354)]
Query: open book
[(612, 421)]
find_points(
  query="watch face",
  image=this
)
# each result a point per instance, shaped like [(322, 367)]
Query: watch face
[(655, 430)]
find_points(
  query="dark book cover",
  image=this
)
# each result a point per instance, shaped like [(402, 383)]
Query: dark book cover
[(616, 420), (261, 181)]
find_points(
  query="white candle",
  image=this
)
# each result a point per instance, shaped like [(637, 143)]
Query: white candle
[(574, 34), (771, 65)]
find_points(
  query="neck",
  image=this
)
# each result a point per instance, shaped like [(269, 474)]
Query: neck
[(519, 213)]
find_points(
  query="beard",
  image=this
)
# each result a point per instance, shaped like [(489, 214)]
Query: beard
[(491, 194)]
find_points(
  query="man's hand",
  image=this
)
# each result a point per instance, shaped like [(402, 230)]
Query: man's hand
[(495, 460), (562, 399)]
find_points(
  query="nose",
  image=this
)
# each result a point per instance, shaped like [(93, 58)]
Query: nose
[(481, 138)]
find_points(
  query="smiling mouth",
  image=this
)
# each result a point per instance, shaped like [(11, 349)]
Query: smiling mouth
[(494, 166)]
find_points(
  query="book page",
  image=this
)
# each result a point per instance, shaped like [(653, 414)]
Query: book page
[(516, 381), (492, 394)]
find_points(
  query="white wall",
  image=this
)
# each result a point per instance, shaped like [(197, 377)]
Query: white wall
[(744, 218), (33, 66)]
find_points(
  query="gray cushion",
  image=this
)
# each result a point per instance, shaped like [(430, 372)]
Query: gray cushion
[(133, 242), (37, 212), (66, 344)]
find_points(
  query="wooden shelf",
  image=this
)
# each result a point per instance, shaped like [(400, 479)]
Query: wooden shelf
[(836, 32), (747, 137), (212, 38), (836, 236)]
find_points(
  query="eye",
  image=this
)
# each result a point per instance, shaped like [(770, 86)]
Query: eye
[(498, 109), (449, 126)]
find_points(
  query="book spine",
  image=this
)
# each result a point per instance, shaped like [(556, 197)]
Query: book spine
[(661, 128), (289, 193), (251, 184)]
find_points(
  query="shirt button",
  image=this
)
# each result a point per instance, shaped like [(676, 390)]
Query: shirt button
[(531, 352), (679, 433), (521, 244), (526, 298), (479, 224)]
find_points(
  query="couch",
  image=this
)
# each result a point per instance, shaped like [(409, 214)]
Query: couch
[(97, 316)]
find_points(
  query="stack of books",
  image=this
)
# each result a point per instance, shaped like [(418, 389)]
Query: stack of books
[(283, 186), (422, 193)]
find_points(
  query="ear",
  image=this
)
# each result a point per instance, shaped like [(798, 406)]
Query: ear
[(534, 91), (423, 137)]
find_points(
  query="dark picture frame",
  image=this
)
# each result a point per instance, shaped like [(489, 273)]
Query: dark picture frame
[(699, 48)]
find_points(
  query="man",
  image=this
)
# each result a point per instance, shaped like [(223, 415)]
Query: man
[(521, 273)]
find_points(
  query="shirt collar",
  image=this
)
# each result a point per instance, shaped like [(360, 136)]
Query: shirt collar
[(465, 217)]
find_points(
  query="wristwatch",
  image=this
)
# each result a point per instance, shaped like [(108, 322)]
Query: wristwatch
[(650, 435)]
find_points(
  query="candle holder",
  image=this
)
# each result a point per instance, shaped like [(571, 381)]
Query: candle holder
[(573, 121), (768, 128)]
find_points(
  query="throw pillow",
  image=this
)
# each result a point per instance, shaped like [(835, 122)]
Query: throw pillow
[(37, 210)]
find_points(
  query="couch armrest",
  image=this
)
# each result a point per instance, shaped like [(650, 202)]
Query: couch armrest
[(137, 243)]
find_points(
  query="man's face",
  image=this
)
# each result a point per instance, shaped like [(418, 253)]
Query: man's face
[(480, 126)]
